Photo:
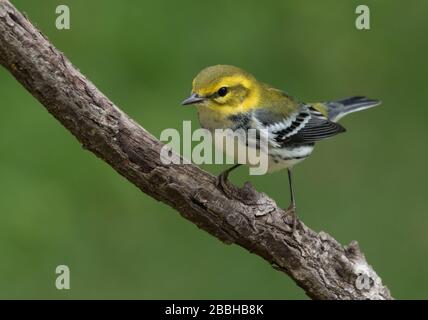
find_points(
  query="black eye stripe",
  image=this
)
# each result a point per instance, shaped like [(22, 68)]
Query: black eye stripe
[(236, 88)]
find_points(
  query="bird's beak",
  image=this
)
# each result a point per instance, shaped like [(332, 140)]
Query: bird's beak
[(194, 98)]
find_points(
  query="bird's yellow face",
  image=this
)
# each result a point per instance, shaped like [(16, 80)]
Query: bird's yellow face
[(224, 90)]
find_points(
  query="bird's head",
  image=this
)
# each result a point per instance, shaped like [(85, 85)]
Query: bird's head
[(225, 89)]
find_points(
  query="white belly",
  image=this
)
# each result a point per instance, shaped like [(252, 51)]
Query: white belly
[(278, 159), (286, 158), (236, 150)]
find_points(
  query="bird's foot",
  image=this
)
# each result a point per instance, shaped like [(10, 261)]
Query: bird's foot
[(291, 212), (259, 203), (246, 194), (231, 191)]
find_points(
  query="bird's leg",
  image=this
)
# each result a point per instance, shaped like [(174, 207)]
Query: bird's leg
[(291, 210), (224, 183), (247, 194)]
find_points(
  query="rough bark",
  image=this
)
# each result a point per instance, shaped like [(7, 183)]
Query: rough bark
[(317, 263)]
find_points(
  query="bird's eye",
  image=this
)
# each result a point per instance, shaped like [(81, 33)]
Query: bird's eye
[(222, 91)]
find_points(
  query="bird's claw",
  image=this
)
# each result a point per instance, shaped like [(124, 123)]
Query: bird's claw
[(245, 195), (229, 189), (291, 211)]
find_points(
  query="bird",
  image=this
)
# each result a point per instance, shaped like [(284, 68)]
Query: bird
[(227, 97)]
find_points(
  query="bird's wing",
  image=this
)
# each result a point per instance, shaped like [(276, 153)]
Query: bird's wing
[(304, 125)]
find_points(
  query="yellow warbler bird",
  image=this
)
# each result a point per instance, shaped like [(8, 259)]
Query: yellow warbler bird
[(228, 97)]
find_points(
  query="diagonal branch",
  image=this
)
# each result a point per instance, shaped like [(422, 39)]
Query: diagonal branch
[(317, 263)]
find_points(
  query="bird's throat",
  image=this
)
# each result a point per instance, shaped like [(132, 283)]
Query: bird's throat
[(210, 118)]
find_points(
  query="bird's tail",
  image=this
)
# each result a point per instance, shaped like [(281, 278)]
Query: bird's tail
[(340, 108)]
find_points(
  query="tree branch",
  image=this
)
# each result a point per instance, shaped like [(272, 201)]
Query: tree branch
[(316, 262)]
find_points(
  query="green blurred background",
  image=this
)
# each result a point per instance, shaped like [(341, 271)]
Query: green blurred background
[(60, 204)]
